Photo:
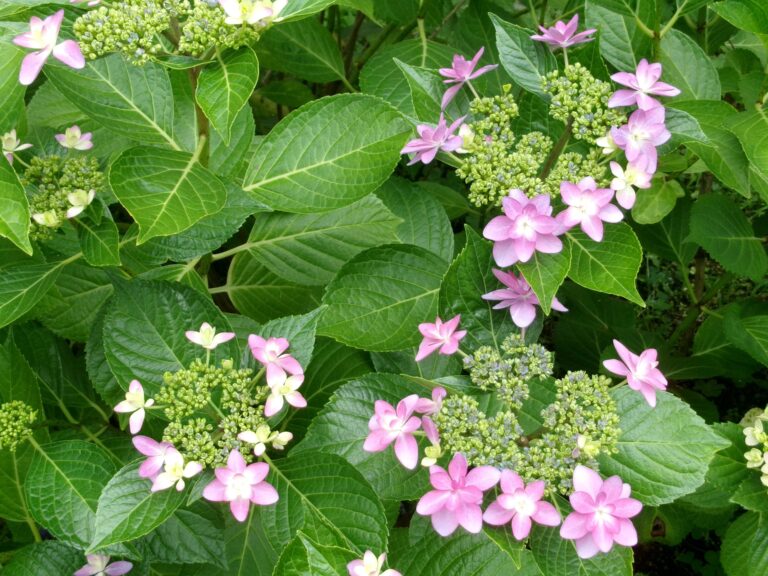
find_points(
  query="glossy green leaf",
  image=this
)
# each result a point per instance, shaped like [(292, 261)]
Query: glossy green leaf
[(100, 242), (668, 238), (752, 131), (688, 68), (656, 202), (380, 296), (749, 15), (526, 60), (165, 191), (45, 559), (11, 90), (24, 285), (249, 551), (304, 556), (546, 273), (654, 441), (342, 427), (133, 101), (311, 162), (609, 266), (744, 551), (301, 8), (63, 486), (750, 334), (14, 208), (722, 229), (128, 510), (223, 88), (728, 467), (622, 42), (309, 249)]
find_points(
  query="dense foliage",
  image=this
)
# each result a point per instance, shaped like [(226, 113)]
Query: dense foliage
[(383, 287)]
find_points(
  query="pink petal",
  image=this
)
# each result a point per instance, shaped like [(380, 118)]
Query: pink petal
[(498, 228), (549, 244), (627, 535), (627, 507), (191, 335), (445, 522), (236, 462), (162, 482), (574, 526), (616, 367), (69, 53), (470, 517), (215, 491), (240, 509), (377, 441), (483, 477), (457, 468), (521, 526), (535, 489), (450, 93), (511, 481), (582, 503), (593, 227), (586, 547), (626, 198), (439, 478), (625, 79), (147, 445), (125, 406), (273, 405), (118, 568), (546, 514), (255, 473), (264, 494), (426, 348), (432, 502), (407, 450), (136, 421), (296, 400), (628, 357), (611, 213), (31, 66), (497, 515), (587, 480), (523, 314)]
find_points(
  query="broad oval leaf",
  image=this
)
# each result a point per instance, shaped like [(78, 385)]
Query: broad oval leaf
[(305, 556), (311, 161), (14, 208), (224, 87), (44, 559), (24, 285), (63, 486), (379, 297), (688, 68), (11, 90), (655, 441), (166, 191), (133, 101), (622, 42), (609, 266), (127, 509), (545, 273)]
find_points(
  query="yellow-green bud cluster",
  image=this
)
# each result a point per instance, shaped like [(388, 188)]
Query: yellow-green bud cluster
[(50, 179), (572, 167), (496, 161), (205, 28), (581, 99), (756, 437), (208, 406), (16, 419)]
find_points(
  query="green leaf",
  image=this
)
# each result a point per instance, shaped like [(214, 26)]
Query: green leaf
[(688, 68), (305, 49), (350, 512), (304, 556), (24, 285), (728, 467), (424, 221), (750, 494), (744, 551), (227, 160), (654, 441), (656, 202), (609, 266), (249, 552), (11, 90), (722, 229), (100, 242), (300, 8), (526, 61), (14, 208), (165, 191), (749, 15), (133, 101), (144, 331), (545, 273), (311, 162), (342, 427), (223, 88), (752, 130), (128, 510), (63, 486), (379, 297), (427, 89), (44, 559), (261, 294), (622, 43), (557, 557), (382, 77), (309, 249), (750, 334), (299, 330), (668, 238), (468, 278)]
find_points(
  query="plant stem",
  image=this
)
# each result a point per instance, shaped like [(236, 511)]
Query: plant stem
[(349, 48), (448, 16), (549, 163), (371, 50), (203, 126), (423, 37)]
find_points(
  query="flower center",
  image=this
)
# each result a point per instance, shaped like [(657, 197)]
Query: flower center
[(240, 488), (523, 504)]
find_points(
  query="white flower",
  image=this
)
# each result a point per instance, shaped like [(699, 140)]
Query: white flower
[(607, 144), (175, 471), (625, 180), (263, 436), (80, 200), (134, 402), (12, 144), (258, 13), (207, 337), (49, 218)]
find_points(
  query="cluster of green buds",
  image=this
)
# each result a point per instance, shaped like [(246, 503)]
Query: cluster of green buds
[(208, 406), (580, 424), (59, 188), (572, 167), (145, 29), (16, 419), (756, 437), (496, 160), (580, 101)]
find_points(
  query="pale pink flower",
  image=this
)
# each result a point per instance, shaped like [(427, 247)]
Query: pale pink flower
[(134, 402), (563, 35), (641, 371), (370, 566), (440, 335), (519, 298), (525, 227), (155, 452), (601, 512), (432, 140), (606, 143), (75, 139), (79, 200), (283, 390), (265, 435), (98, 565), (207, 337), (457, 496), (431, 406), (257, 13), (522, 505), (175, 470), (626, 179), (641, 134), (42, 37), (12, 144), (643, 82), (389, 425), (241, 485), (588, 206), (271, 354), (460, 72)]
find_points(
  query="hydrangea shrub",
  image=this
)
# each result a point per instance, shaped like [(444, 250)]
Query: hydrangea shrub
[(383, 288)]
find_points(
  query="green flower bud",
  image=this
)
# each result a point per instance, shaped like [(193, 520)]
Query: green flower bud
[(16, 419)]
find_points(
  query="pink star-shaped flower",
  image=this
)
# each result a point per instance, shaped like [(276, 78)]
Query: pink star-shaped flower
[(156, 453), (432, 140), (639, 137), (389, 425), (563, 35), (98, 565), (588, 206), (519, 298), (42, 37), (643, 83), (641, 371), (461, 72), (440, 335), (271, 354)]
